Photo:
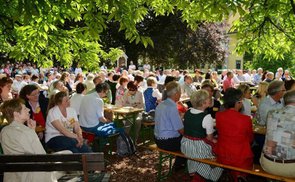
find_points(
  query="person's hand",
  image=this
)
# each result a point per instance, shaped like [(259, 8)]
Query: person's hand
[(31, 124), (40, 135), (80, 141)]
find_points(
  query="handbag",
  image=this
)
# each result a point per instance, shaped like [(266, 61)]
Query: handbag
[(148, 116)]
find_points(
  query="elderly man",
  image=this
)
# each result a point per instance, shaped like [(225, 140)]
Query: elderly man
[(278, 155), (168, 124), (276, 91), (258, 76)]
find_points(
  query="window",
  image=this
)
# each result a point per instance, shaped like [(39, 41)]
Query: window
[(238, 64)]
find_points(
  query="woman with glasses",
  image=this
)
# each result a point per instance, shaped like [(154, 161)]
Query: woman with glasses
[(235, 133), (36, 102), (133, 98)]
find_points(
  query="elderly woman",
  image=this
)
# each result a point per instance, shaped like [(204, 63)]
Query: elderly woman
[(17, 138), (198, 137), (133, 98), (36, 102), (63, 130), (235, 133), (5, 89)]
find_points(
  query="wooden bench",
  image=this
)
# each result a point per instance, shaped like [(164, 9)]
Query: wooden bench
[(257, 170), (87, 162)]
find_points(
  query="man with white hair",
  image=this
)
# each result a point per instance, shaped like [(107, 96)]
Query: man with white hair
[(269, 77), (276, 91), (279, 73), (278, 156), (257, 78), (168, 124)]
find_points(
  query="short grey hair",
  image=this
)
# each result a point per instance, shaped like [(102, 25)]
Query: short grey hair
[(289, 97), (274, 87), (172, 88), (199, 97)]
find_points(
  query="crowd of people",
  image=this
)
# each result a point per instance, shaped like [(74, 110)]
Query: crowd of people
[(216, 120)]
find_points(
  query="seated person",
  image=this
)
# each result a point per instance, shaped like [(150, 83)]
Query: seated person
[(276, 90), (37, 103), (5, 89), (17, 138), (152, 95), (198, 141), (121, 90), (215, 103), (133, 98), (278, 156), (168, 124), (246, 109), (235, 133), (63, 130), (77, 97), (92, 117)]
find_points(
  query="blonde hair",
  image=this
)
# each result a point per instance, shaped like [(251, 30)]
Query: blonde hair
[(244, 88), (198, 98), (262, 89), (151, 80)]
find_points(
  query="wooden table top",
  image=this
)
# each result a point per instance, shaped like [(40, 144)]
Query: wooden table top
[(257, 129), (123, 110)]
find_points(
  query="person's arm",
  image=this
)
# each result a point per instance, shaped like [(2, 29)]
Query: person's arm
[(103, 120), (140, 100), (157, 94), (208, 124), (181, 131), (78, 132), (57, 125)]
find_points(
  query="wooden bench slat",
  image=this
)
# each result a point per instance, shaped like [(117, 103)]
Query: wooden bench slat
[(56, 162), (257, 169), (50, 157)]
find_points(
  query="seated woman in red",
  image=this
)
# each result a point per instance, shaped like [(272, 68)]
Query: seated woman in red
[(235, 133)]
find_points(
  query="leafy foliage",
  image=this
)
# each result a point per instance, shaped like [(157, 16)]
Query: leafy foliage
[(260, 61), (70, 30), (267, 28)]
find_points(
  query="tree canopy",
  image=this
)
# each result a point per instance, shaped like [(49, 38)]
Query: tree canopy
[(70, 30), (175, 45)]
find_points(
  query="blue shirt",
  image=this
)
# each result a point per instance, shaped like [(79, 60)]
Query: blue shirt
[(265, 106), (167, 120), (257, 79)]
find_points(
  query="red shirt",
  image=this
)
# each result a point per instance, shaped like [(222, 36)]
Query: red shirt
[(235, 136), (38, 117), (227, 83)]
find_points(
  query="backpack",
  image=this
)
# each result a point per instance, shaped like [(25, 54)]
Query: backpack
[(125, 146), (148, 116)]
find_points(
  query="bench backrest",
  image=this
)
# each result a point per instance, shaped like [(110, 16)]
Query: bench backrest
[(53, 162)]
